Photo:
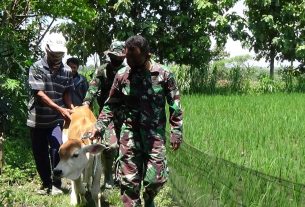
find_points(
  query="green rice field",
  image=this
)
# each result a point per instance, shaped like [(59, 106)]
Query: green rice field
[(241, 151)]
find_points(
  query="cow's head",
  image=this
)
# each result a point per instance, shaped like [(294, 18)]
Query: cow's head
[(74, 157)]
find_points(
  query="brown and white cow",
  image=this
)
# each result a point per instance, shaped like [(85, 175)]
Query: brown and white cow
[(80, 160)]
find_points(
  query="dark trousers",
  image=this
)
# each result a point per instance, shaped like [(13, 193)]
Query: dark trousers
[(45, 146)]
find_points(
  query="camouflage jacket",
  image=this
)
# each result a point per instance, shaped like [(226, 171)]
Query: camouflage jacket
[(100, 84), (142, 96)]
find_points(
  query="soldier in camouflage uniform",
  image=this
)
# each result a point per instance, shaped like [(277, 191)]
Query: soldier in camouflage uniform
[(142, 90), (99, 87)]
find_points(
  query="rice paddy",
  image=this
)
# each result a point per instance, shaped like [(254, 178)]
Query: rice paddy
[(250, 151)]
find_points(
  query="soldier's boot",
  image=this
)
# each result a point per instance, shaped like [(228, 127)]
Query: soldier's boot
[(149, 203), (107, 160), (130, 196), (149, 199)]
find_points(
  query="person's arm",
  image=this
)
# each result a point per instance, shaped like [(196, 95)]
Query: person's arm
[(175, 111), (67, 99), (93, 88), (37, 85), (106, 115), (47, 101)]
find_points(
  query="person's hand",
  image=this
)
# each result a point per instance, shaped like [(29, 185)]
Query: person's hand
[(66, 113), (92, 134), (175, 145), (95, 132), (175, 140)]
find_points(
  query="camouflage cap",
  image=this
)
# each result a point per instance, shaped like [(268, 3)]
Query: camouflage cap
[(116, 48)]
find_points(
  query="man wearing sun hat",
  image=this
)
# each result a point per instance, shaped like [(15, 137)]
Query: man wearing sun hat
[(99, 88), (50, 82)]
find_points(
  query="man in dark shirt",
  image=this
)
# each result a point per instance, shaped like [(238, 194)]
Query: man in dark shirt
[(50, 82), (80, 83)]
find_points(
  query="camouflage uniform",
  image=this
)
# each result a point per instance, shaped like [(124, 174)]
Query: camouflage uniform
[(143, 95), (99, 87), (102, 80)]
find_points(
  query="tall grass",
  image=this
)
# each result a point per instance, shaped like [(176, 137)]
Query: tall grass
[(251, 151), (265, 132)]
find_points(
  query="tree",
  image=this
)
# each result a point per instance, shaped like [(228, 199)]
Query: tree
[(179, 31), (23, 24), (292, 37), (263, 19), (276, 29)]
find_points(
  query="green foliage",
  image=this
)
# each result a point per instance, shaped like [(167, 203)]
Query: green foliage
[(87, 72), (24, 195), (19, 163), (269, 85), (236, 76), (182, 75), (12, 106), (184, 23), (78, 10), (294, 80), (273, 28), (231, 75), (288, 78), (23, 24)]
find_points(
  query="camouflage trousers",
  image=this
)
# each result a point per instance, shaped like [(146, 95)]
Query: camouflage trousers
[(109, 156), (141, 161)]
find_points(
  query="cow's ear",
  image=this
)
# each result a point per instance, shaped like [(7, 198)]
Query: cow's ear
[(94, 148)]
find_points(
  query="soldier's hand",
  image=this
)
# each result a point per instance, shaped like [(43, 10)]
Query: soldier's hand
[(175, 140), (175, 145), (95, 133)]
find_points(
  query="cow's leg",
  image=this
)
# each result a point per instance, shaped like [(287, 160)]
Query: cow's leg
[(88, 173), (107, 161), (73, 197), (95, 190), (77, 192)]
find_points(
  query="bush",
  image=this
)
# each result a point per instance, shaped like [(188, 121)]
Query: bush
[(231, 75), (183, 77), (294, 79), (19, 163), (268, 85)]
